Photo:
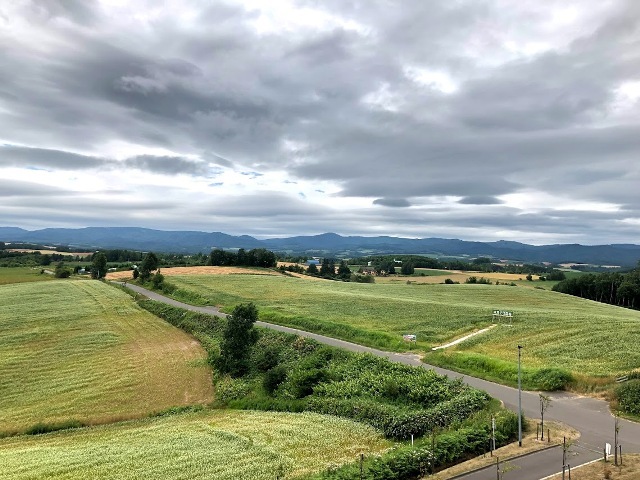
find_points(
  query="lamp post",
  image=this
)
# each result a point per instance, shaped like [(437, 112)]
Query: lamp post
[(519, 401)]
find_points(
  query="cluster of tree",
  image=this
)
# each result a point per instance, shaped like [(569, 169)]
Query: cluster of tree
[(257, 257), (123, 257), (622, 289), (293, 268), (388, 263), (62, 271), (328, 270), (30, 259)]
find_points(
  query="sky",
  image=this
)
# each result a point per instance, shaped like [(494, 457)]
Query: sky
[(472, 119)]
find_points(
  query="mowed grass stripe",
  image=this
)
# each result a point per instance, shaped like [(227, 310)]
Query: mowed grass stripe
[(211, 444), (557, 330), (83, 350)]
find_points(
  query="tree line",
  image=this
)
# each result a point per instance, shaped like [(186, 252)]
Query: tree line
[(622, 289)]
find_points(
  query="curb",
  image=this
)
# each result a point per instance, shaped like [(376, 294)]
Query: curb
[(460, 475)]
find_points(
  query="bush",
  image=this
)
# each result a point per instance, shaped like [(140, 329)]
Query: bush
[(628, 396), (273, 378), (550, 379), (40, 428)]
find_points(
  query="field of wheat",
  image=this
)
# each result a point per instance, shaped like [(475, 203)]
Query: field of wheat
[(225, 445), (83, 350)]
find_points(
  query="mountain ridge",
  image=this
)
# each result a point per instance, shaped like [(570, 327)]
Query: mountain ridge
[(325, 244)]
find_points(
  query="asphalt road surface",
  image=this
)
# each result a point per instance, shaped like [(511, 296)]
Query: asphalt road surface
[(588, 415)]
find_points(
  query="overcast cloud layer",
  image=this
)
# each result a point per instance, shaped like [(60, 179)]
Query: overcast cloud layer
[(473, 119)]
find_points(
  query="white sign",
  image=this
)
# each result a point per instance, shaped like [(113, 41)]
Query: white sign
[(607, 448)]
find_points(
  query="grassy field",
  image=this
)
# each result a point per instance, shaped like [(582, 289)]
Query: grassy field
[(556, 330), (22, 275), (225, 445), (83, 350)]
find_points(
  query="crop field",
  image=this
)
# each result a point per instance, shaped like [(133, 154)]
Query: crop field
[(82, 350), (22, 274), (225, 445), (556, 330)]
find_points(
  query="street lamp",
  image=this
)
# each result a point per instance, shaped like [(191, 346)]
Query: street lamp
[(519, 401)]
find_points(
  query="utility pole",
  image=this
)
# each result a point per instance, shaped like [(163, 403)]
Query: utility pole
[(493, 434), (519, 400), (615, 441)]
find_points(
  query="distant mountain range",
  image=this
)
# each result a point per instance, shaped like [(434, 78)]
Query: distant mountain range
[(326, 244)]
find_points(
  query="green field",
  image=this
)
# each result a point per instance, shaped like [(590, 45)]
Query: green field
[(82, 350), (225, 445), (556, 330), (22, 274), (430, 272)]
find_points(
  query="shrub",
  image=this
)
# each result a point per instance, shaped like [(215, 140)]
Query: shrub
[(273, 378), (40, 428), (628, 396), (550, 379), (231, 389)]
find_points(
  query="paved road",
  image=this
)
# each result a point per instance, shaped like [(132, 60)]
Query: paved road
[(588, 415)]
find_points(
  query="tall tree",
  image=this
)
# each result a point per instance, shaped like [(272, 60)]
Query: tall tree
[(407, 268), (99, 265), (325, 268), (239, 335), (149, 264), (343, 270)]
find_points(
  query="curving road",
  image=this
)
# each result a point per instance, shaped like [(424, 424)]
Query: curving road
[(588, 415)]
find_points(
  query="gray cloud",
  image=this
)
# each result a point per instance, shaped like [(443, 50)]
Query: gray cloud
[(392, 202), (480, 200), (431, 105), (168, 165)]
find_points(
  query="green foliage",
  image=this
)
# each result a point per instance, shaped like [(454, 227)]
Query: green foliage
[(358, 278), (62, 271), (407, 268), (99, 265), (273, 378), (429, 454), (257, 257), (40, 428), (157, 280), (628, 396), (551, 379), (239, 335), (547, 379), (149, 264)]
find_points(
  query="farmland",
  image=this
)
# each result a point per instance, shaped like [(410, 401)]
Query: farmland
[(22, 274), (207, 444), (556, 330), (82, 350)]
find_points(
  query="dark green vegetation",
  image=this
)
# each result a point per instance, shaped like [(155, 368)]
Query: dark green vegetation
[(258, 257), (290, 373), (391, 263), (622, 289), (627, 396)]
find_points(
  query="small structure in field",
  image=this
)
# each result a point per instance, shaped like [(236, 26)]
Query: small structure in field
[(497, 314), (409, 337)]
